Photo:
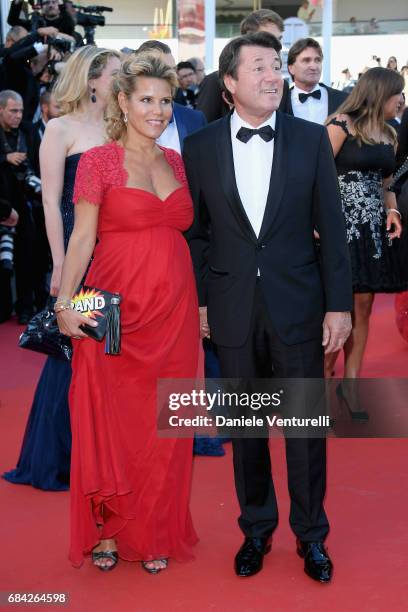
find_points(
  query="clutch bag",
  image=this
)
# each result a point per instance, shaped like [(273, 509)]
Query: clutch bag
[(103, 307), (43, 336)]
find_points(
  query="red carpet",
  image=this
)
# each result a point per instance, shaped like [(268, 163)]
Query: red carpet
[(367, 505)]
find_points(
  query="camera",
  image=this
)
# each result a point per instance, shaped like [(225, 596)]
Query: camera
[(28, 179), (61, 45), (7, 248), (89, 17), (33, 182)]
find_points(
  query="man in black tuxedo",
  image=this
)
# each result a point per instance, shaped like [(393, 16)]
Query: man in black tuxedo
[(260, 180), (308, 98), (210, 98)]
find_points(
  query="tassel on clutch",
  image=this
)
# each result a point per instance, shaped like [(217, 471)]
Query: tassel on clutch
[(103, 307)]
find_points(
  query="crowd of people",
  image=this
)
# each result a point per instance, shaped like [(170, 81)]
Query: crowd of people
[(198, 199)]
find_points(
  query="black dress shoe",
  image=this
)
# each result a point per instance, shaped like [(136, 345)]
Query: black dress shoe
[(317, 562), (249, 559)]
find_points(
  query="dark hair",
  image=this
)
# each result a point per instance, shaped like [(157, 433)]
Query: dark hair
[(365, 104), (256, 19), (300, 45), (184, 65), (230, 55), (154, 45), (45, 97)]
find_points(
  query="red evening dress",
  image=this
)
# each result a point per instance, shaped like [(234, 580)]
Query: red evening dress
[(123, 476)]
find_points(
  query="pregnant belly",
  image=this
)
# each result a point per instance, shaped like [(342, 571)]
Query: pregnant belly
[(151, 269)]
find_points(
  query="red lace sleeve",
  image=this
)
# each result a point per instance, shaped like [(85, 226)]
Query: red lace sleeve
[(89, 178), (176, 162)]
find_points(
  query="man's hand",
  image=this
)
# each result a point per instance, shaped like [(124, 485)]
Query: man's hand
[(12, 220), (16, 158), (336, 330), (54, 55), (48, 31), (204, 328)]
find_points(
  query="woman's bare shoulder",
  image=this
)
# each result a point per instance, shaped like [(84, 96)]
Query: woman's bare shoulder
[(60, 130)]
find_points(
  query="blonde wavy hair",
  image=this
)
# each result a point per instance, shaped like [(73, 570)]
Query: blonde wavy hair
[(137, 65), (365, 104), (72, 86)]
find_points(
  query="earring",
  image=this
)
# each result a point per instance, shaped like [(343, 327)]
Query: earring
[(125, 117), (93, 97)]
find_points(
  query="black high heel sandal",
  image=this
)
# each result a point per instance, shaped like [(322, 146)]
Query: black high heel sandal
[(154, 570), (105, 554), (356, 415)]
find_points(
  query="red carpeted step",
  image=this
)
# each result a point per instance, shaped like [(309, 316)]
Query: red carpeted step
[(366, 504)]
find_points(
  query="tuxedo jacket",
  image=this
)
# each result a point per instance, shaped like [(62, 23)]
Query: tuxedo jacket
[(188, 121), (211, 102), (298, 286), (335, 97)]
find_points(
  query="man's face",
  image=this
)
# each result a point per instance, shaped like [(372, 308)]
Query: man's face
[(50, 9), (186, 77), (271, 28), (200, 71), (51, 110), (11, 115), (307, 68), (257, 91)]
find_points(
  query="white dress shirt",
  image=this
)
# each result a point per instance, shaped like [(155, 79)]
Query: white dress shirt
[(170, 137), (253, 166), (313, 109)]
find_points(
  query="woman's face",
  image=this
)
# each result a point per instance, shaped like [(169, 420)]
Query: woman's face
[(103, 83), (149, 108), (392, 106), (392, 63)]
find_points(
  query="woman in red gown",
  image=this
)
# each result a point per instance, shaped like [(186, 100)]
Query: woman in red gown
[(130, 489)]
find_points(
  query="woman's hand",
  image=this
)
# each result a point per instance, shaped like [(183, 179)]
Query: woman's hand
[(55, 280), (393, 219), (69, 322)]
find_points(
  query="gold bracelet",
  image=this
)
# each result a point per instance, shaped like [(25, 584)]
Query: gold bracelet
[(61, 308), (62, 305)]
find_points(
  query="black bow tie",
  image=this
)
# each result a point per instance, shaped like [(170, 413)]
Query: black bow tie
[(266, 133), (313, 94)]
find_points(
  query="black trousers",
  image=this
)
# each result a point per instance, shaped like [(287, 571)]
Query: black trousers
[(262, 356)]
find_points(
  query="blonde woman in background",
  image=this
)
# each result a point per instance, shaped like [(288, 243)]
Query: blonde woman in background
[(82, 93)]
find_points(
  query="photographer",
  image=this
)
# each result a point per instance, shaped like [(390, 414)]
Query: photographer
[(42, 50), (8, 220), (52, 13), (15, 176)]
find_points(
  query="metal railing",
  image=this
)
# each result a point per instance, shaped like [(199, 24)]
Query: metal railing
[(340, 28), (229, 30)]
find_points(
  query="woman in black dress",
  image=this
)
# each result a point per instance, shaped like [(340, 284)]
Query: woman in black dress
[(364, 147)]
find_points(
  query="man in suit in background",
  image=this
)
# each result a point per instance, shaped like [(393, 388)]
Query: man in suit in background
[(186, 94), (308, 98), (259, 179), (49, 110), (211, 100)]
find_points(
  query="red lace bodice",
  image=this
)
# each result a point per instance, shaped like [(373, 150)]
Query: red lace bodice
[(102, 168)]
